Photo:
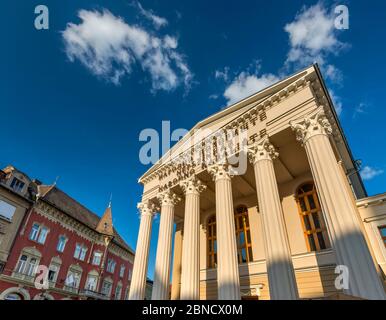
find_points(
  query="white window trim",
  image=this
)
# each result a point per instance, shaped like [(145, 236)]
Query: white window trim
[(38, 233)]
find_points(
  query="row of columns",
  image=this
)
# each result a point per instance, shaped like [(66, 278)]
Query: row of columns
[(341, 218)]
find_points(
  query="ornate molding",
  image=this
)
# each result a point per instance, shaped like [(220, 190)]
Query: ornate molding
[(262, 150), (220, 171), (192, 185), (312, 125), (147, 208), (257, 113), (168, 198)]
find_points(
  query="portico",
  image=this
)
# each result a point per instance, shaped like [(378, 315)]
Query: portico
[(275, 222)]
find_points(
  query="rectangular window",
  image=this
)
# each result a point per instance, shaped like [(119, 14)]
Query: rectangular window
[(53, 273), (31, 267), (91, 283), (77, 251), (118, 291), (122, 271), (38, 233), (6, 210), (73, 279), (83, 252), (34, 232), (21, 264), (17, 185), (111, 265), (80, 252), (42, 235), (106, 288), (382, 231), (96, 261), (61, 243)]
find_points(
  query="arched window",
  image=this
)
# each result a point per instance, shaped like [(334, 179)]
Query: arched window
[(243, 238), (310, 211)]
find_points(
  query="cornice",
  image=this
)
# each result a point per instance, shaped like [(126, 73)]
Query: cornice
[(256, 113)]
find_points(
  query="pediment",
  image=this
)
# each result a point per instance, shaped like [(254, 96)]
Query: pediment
[(225, 116)]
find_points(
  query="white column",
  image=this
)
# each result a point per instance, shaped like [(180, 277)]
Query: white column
[(177, 262), (161, 283), (190, 279), (281, 275), (138, 279), (339, 211), (228, 281)]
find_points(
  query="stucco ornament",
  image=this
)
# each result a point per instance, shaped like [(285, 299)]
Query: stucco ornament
[(312, 125), (147, 208), (168, 198), (220, 171), (192, 185), (262, 150)]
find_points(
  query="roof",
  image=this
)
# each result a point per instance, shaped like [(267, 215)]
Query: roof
[(258, 96), (62, 201)]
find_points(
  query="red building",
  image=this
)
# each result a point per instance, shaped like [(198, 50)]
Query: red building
[(64, 251)]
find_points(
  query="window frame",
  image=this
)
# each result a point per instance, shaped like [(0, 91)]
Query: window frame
[(81, 255), (383, 238), (111, 264), (97, 253), (59, 242), (246, 230), (211, 237), (40, 235), (311, 229)]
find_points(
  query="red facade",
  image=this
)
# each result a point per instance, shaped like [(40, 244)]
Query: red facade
[(48, 250)]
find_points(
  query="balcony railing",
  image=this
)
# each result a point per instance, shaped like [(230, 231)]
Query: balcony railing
[(24, 276), (71, 289), (93, 294)]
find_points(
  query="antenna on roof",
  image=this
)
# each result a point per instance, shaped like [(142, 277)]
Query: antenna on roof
[(56, 180), (111, 199)]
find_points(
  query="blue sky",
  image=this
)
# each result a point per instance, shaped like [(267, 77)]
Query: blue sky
[(74, 98)]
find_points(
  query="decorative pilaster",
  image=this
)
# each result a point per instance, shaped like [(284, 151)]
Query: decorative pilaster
[(228, 281), (281, 275), (190, 279), (138, 280), (339, 211), (168, 199)]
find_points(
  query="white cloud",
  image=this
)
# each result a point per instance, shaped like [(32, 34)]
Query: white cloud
[(108, 47), (245, 84), (361, 108), (313, 37), (337, 101), (157, 21), (222, 74), (368, 173)]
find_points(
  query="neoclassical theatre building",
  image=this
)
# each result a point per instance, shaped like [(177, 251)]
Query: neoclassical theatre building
[(285, 226)]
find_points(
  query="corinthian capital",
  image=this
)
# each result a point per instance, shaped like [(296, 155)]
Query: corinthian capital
[(262, 150), (147, 208), (168, 198), (192, 185), (220, 171), (312, 125)]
